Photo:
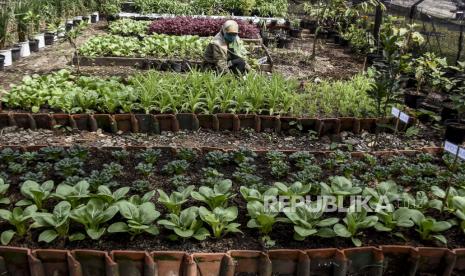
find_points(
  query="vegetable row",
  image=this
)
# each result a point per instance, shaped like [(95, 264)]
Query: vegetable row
[(204, 27), (160, 46), (213, 7), (196, 92), (81, 207)]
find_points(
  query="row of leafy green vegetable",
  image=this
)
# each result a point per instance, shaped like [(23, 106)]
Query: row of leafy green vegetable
[(158, 45), (198, 92), (91, 203), (214, 7)]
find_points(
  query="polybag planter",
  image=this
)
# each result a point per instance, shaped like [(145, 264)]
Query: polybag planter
[(41, 39), (25, 50), (8, 57)]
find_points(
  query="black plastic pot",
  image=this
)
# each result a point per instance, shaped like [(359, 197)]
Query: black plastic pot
[(448, 113), (344, 42), (2, 62), (268, 41), (331, 34), (372, 57), (413, 100), (93, 18), (411, 83), (176, 67), (76, 22), (15, 53), (69, 26), (284, 43), (49, 38), (85, 18), (455, 131), (296, 33), (323, 34), (34, 45)]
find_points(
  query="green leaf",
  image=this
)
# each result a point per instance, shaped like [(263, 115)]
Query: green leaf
[(183, 233), (356, 242), (24, 202), (118, 227), (77, 237), (304, 232), (48, 236), (341, 231), (6, 236), (440, 238), (95, 234)]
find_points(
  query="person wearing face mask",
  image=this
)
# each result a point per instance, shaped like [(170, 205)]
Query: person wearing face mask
[(226, 52)]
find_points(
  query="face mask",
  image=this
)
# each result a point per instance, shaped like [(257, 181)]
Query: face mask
[(230, 37)]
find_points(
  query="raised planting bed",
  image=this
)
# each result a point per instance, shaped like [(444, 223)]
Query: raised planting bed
[(387, 260), (161, 46), (170, 101), (155, 124), (192, 7), (180, 26), (163, 183), (157, 51), (199, 26), (174, 65)]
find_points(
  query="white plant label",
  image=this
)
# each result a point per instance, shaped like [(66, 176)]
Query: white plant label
[(404, 117), (395, 112), (452, 148), (262, 60), (462, 153)]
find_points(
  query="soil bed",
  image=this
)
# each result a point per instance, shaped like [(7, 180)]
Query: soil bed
[(282, 233), (225, 139)]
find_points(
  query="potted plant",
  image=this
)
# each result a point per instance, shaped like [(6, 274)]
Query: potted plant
[(454, 78), (283, 41), (5, 54), (36, 40), (35, 14), (428, 74), (295, 30), (455, 128), (51, 34), (21, 10)]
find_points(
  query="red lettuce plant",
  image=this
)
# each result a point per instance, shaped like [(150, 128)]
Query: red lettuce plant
[(199, 26)]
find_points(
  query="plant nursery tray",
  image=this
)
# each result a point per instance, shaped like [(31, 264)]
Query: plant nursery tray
[(148, 63), (374, 261), (156, 123)]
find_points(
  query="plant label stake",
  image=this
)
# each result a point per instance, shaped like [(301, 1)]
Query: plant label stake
[(396, 113), (400, 117), (457, 152)]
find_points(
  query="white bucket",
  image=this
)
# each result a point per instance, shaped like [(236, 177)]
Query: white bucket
[(41, 39), (8, 58), (25, 50)]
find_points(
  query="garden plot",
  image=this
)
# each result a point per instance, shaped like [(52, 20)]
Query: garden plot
[(214, 182)]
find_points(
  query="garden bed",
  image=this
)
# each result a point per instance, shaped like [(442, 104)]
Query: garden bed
[(149, 63), (346, 141), (168, 169), (148, 123)]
